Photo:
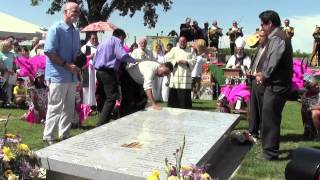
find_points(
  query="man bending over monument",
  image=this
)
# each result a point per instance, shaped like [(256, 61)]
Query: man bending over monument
[(136, 85)]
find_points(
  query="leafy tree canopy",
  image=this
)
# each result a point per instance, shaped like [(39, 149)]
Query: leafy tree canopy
[(100, 10)]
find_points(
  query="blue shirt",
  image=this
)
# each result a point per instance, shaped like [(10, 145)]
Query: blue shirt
[(63, 40), (7, 59), (110, 53)]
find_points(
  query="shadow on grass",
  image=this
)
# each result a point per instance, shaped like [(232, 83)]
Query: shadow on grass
[(197, 102), (293, 138), (87, 127), (316, 147), (203, 108), (285, 154)]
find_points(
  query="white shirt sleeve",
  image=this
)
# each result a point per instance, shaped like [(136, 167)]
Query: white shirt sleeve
[(83, 49), (231, 62), (247, 62), (148, 76)]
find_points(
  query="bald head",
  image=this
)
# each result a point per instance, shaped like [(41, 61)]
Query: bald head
[(143, 43), (71, 12), (215, 22), (70, 5)]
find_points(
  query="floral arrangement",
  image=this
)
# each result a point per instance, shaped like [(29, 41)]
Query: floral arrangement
[(16, 159), (178, 172)]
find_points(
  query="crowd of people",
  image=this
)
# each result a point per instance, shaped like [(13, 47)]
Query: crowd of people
[(269, 73), (14, 84), (118, 80)]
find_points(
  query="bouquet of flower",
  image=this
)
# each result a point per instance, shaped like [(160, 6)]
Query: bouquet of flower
[(178, 172), (16, 159)]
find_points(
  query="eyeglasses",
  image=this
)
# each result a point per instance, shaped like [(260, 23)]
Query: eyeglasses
[(73, 11)]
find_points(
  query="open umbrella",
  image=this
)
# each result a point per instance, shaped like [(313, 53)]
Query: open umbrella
[(99, 26)]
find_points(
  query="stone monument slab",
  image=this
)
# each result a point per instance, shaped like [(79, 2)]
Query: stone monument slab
[(131, 147)]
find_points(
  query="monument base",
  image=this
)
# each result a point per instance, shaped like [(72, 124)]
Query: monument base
[(52, 175), (135, 145)]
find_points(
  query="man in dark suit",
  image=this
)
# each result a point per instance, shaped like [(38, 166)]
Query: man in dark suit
[(276, 76), (257, 90), (186, 30)]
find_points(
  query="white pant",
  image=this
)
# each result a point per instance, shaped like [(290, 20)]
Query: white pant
[(61, 107), (89, 93), (165, 89)]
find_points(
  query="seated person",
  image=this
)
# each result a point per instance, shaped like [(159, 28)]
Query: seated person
[(222, 105), (239, 58), (20, 93), (136, 85), (315, 110), (310, 107), (39, 100)]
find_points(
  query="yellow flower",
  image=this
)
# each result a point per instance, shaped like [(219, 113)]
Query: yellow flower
[(7, 173), (12, 177), (186, 168), (154, 176), (173, 178), (9, 135), (206, 176), (23, 147), (8, 155)]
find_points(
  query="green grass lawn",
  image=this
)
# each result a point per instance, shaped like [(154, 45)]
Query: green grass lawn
[(252, 167)]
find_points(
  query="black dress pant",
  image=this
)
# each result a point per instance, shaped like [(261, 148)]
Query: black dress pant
[(180, 98), (107, 79), (214, 44), (273, 104), (256, 102), (133, 95), (232, 46)]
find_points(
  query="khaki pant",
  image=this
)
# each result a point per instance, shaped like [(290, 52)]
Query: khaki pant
[(61, 109)]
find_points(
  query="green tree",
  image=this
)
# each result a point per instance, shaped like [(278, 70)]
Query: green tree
[(100, 10)]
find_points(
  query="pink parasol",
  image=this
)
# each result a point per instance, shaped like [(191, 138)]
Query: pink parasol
[(100, 26)]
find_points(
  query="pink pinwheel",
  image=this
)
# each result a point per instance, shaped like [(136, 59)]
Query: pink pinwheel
[(38, 62), (235, 90), (29, 67)]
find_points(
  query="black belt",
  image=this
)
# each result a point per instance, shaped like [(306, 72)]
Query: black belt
[(106, 69)]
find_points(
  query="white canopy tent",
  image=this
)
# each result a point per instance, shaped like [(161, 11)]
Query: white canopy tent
[(20, 29)]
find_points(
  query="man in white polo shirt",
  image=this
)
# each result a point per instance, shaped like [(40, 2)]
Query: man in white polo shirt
[(136, 85)]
